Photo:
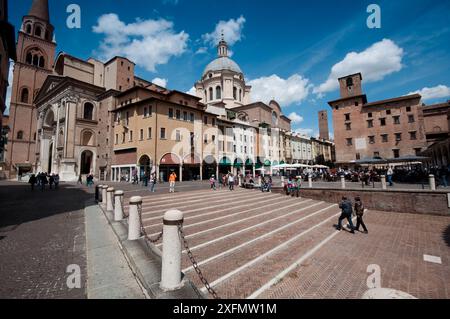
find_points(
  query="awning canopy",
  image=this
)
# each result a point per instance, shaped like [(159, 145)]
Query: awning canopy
[(225, 161)]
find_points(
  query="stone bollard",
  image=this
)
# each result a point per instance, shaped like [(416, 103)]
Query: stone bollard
[(100, 187), (109, 199), (118, 210), (134, 221), (309, 181), (432, 182), (282, 181), (97, 195), (259, 180), (104, 193), (240, 180), (171, 252), (342, 181), (383, 182)]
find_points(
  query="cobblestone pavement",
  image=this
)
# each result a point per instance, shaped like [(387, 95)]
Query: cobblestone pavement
[(263, 245), (41, 233)]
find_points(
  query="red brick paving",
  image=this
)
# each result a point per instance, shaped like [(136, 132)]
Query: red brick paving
[(396, 242)]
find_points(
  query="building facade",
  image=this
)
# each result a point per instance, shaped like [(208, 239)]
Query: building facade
[(388, 129)]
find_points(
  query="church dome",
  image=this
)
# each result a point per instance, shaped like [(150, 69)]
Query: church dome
[(222, 63)]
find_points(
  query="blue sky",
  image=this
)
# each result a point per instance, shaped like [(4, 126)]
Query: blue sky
[(289, 50)]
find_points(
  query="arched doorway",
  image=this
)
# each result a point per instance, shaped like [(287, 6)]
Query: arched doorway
[(169, 163), (145, 166), (209, 167), (86, 162), (224, 165), (191, 167), (239, 165)]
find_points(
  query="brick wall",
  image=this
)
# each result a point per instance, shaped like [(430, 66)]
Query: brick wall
[(406, 201)]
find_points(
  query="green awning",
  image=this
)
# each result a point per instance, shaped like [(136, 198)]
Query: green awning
[(282, 162), (267, 163), (248, 162), (225, 161)]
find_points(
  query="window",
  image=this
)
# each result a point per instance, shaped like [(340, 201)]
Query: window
[(28, 28), (213, 138), (149, 133), (213, 121), (348, 126), (38, 31), (88, 113), (384, 138), (398, 137), (185, 116), (123, 137), (177, 135), (408, 109), (127, 118), (20, 135), (369, 123), (369, 115), (145, 111), (411, 118), (240, 95), (24, 96), (131, 136), (211, 97), (234, 93), (170, 113), (192, 117), (376, 154), (349, 142), (396, 119), (372, 139), (218, 93), (413, 135), (141, 134), (349, 82), (417, 151), (396, 153), (178, 114), (205, 140), (116, 141), (356, 103), (383, 121), (205, 120), (358, 156), (347, 116), (163, 133), (388, 112)]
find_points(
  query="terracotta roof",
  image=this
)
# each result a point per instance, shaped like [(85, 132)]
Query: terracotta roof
[(397, 99)]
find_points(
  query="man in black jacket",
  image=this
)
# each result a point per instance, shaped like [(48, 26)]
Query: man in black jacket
[(347, 210)]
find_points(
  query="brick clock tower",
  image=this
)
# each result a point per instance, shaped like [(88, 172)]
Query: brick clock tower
[(324, 133), (35, 56)]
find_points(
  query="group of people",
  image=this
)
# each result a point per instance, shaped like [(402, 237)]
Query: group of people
[(89, 180), (41, 179), (227, 180), (348, 210)]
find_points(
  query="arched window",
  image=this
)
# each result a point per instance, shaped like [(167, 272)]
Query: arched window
[(234, 93), (41, 62), (206, 96), (87, 138), (24, 96), (88, 113), (29, 58), (36, 60), (349, 81), (211, 97), (218, 93), (28, 29), (38, 31), (20, 135)]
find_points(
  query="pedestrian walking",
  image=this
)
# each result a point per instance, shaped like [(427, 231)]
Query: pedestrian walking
[(80, 180), (32, 181), (231, 182), (359, 211), (51, 180), (212, 182), (44, 181), (56, 180), (346, 206), (152, 182), (390, 173), (172, 179)]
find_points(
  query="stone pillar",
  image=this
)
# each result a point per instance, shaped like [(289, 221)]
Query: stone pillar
[(180, 170), (282, 181), (201, 172), (254, 171), (309, 181), (134, 223), (383, 182), (118, 210), (104, 194), (171, 255), (432, 182), (109, 199)]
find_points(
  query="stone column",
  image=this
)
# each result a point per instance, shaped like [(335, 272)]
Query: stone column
[(180, 169), (342, 182), (383, 182), (432, 182)]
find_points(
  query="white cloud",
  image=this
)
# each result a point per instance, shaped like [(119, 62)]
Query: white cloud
[(9, 89), (295, 118), (201, 50), (148, 43), (436, 92), (160, 82), (231, 29), (305, 131), (285, 91), (377, 61)]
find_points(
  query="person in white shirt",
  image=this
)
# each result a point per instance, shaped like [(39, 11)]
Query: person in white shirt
[(231, 182)]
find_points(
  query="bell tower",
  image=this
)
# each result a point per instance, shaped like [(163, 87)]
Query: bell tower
[(35, 55)]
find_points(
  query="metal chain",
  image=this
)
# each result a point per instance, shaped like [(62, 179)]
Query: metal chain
[(195, 265), (153, 241)]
